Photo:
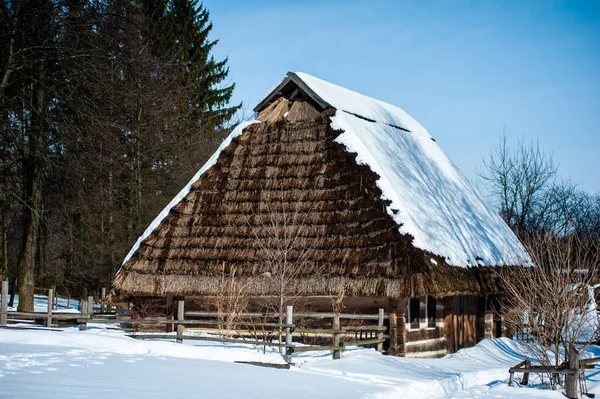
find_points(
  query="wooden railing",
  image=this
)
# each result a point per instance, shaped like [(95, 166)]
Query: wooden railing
[(375, 335)]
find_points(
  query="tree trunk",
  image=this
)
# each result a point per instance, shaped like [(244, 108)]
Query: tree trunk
[(3, 247), (33, 201), (29, 246)]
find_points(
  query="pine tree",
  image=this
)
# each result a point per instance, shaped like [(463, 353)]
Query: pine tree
[(186, 27)]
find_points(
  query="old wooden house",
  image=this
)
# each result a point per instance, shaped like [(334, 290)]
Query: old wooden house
[(344, 195)]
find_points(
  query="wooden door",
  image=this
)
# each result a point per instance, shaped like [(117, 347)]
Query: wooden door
[(463, 330)]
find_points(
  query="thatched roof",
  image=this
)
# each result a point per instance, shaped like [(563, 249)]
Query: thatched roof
[(283, 199)]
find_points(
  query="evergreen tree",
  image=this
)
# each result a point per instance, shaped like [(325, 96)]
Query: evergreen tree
[(106, 109), (186, 29)]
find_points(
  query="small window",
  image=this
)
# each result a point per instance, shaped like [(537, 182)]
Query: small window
[(413, 313), (431, 311)]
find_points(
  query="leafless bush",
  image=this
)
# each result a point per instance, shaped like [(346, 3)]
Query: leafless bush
[(288, 249), (553, 302), (232, 301)]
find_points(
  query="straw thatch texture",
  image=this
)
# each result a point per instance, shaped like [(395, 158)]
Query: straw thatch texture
[(285, 183)]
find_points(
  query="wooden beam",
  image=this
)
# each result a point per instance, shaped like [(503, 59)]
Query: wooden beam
[(289, 317), (180, 317), (50, 304), (4, 308), (336, 337), (287, 86), (380, 334)]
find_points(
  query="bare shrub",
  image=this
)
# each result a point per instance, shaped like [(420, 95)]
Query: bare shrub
[(287, 245), (233, 300), (552, 303)]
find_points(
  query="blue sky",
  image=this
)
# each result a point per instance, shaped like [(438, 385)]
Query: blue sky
[(466, 70)]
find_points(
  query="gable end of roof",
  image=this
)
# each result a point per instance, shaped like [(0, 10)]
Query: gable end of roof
[(286, 88)]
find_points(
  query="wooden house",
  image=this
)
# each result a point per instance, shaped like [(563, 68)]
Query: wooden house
[(346, 196)]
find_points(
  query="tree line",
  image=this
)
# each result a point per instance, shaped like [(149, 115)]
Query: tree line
[(535, 201), (553, 304), (107, 107)]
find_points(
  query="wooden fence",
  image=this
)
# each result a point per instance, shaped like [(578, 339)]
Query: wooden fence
[(264, 332), (574, 372)]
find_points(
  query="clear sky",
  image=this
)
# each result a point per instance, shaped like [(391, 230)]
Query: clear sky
[(466, 70)]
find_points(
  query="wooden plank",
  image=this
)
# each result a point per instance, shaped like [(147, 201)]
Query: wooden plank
[(319, 331), (393, 349), (103, 307), (364, 342), (199, 338), (95, 319), (43, 315), (525, 380), (9, 327), (317, 348), (571, 379), (541, 369), (364, 328), (402, 327), (488, 325), (289, 316), (448, 329), (589, 360), (50, 303), (336, 337), (261, 364), (291, 79), (169, 310), (380, 334), (4, 305), (180, 317), (348, 316)]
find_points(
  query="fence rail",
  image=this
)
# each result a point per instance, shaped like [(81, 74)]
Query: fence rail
[(284, 331)]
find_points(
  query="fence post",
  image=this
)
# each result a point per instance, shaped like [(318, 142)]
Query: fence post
[(289, 314), (380, 334), (4, 310), (90, 306), (50, 306), (488, 329), (525, 380), (572, 377), (103, 307), (84, 314), (180, 317), (336, 336), (170, 314)]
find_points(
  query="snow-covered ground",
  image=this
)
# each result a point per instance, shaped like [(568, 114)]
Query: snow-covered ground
[(103, 363)]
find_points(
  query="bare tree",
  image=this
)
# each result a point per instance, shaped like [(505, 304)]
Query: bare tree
[(290, 248), (233, 299), (519, 179), (553, 302)]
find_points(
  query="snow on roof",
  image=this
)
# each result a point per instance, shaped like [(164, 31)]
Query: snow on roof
[(430, 198), (352, 102)]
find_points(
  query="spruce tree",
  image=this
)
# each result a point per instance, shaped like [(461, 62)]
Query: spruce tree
[(184, 30)]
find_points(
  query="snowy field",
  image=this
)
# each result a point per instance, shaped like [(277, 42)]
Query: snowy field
[(103, 363)]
